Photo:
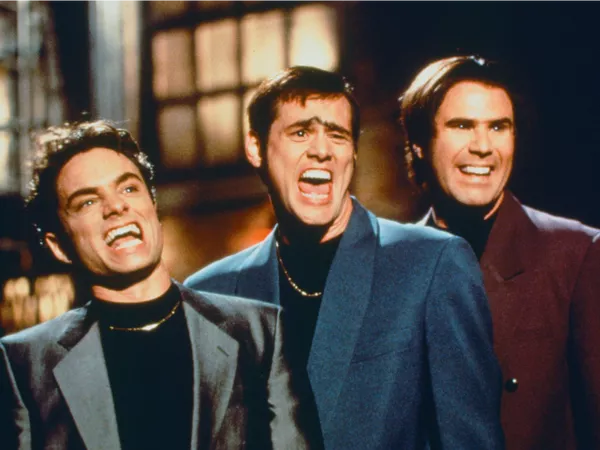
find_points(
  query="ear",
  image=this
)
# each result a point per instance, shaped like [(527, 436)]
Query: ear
[(253, 150), (418, 151), (53, 244)]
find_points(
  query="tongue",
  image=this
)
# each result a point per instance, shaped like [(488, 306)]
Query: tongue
[(310, 188)]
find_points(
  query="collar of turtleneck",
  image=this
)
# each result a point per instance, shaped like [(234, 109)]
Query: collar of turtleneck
[(113, 315)]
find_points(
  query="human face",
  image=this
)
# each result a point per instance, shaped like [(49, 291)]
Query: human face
[(310, 159), (472, 151), (108, 215)]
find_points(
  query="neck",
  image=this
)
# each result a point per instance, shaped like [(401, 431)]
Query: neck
[(296, 232), (446, 212), (127, 289)]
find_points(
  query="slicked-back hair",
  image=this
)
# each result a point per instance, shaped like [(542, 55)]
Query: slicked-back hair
[(421, 101), (297, 83), (54, 148)]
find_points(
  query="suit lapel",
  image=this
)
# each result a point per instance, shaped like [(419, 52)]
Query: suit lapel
[(259, 276), (215, 357), (504, 259), (345, 299), (83, 380)]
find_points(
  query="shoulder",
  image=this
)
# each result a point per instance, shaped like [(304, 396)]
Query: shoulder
[(415, 238), (560, 227), (45, 332), (229, 310), (39, 344), (220, 272)]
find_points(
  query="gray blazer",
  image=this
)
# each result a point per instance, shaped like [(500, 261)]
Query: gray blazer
[(55, 391)]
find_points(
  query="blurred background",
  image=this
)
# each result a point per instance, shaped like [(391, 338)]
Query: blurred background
[(179, 74)]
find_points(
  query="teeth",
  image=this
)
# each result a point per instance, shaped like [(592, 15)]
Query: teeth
[(314, 195), (476, 170), (316, 174), (118, 232)]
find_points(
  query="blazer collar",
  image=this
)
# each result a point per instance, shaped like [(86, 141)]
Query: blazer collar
[(502, 261), (501, 258), (259, 274), (215, 356), (83, 379), (345, 300)]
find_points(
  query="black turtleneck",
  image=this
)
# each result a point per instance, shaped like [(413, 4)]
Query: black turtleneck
[(475, 230), (308, 266), (150, 372)]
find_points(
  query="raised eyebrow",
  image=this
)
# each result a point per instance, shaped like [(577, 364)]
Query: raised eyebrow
[(331, 126), (95, 190)]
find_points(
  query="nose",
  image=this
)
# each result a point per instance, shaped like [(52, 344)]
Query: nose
[(319, 147), (481, 144), (114, 204)]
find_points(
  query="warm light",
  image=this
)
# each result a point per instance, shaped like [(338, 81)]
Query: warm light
[(177, 135), (313, 37), (262, 45), (52, 296), (219, 120), (172, 58), (216, 63)]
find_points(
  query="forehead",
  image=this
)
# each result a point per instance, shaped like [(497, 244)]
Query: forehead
[(476, 100), (93, 168), (332, 109)]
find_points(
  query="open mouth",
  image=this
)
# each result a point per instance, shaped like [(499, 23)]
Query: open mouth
[(315, 183), (124, 237), (476, 170)]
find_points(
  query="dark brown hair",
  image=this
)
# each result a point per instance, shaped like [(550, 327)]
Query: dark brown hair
[(55, 146)]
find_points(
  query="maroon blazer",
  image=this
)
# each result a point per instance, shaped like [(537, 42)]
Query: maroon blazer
[(542, 277)]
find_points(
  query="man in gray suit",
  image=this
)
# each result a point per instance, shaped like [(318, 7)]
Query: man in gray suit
[(146, 363)]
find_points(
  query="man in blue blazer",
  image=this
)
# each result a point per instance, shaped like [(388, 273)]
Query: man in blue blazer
[(391, 320)]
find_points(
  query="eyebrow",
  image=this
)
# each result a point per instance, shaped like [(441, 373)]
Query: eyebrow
[(94, 190), (330, 126), (500, 121)]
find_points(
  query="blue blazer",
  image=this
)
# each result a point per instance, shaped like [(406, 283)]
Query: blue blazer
[(402, 352)]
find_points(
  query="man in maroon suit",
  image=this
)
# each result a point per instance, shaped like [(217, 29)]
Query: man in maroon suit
[(541, 272)]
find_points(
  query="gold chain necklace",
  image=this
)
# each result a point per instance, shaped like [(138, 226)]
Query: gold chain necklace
[(297, 288), (149, 326)]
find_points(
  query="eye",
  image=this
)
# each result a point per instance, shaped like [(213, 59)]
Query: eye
[(299, 135), (131, 189), (85, 204), (501, 126)]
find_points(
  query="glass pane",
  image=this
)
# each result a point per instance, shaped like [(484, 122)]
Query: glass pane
[(219, 121), (262, 45), (7, 90), (163, 10), (177, 136), (7, 177), (213, 5), (39, 98), (172, 57), (246, 101), (216, 49), (314, 38)]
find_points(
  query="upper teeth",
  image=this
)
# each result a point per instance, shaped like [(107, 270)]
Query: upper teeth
[(316, 174), (118, 232), (476, 170)]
